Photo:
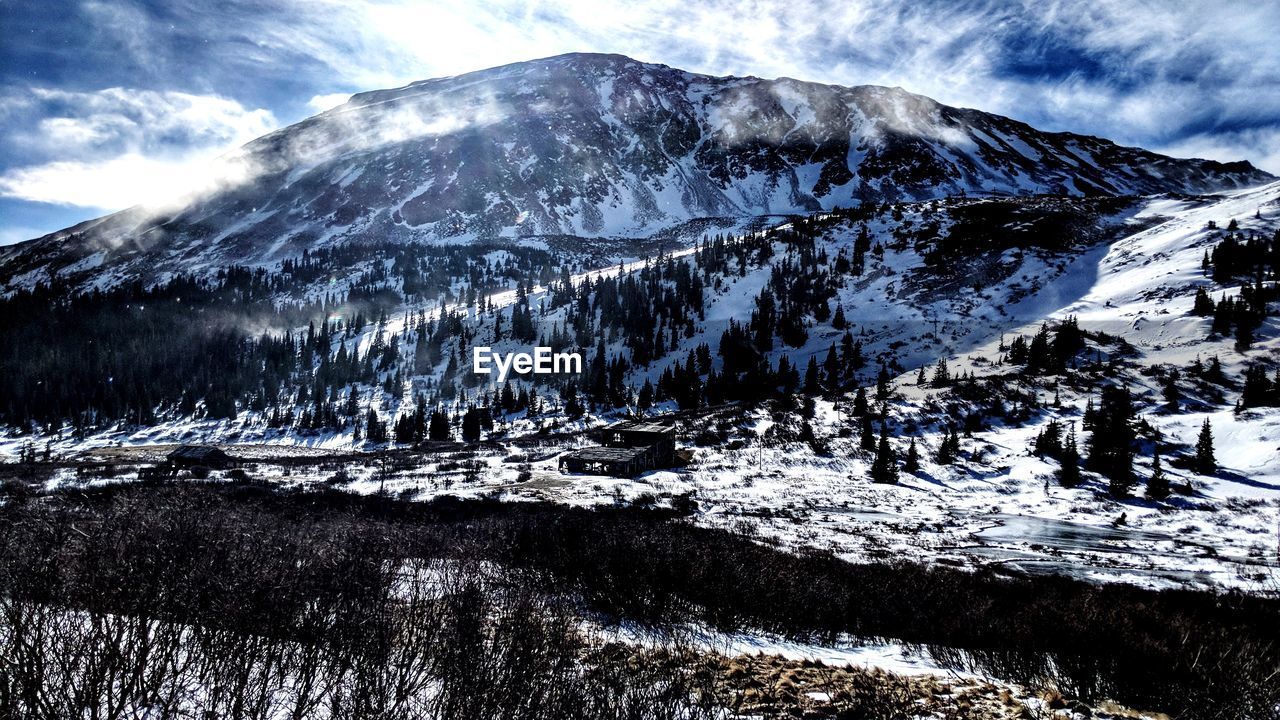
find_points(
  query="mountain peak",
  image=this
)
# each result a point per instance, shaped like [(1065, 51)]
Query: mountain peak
[(600, 146), (577, 61)]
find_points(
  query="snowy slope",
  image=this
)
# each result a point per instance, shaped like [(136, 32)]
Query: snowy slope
[(999, 504)]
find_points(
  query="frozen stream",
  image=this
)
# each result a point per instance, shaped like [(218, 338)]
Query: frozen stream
[(1065, 535), (1051, 546)]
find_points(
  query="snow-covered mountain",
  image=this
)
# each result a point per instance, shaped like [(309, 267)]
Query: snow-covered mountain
[(594, 146), (491, 209)]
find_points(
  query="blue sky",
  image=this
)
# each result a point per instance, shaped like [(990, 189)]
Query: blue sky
[(109, 103)]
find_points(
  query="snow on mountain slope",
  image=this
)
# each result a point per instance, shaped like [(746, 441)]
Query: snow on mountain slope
[(999, 504), (1142, 291), (1002, 505), (902, 312), (1144, 277), (596, 146)]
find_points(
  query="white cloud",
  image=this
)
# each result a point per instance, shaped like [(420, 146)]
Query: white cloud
[(345, 132), (120, 147), (1260, 145), (124, 118), (320, 103), (121, 181)]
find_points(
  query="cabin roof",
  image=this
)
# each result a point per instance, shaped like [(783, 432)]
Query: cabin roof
[(642, 426), (607, 454), (197, 452)]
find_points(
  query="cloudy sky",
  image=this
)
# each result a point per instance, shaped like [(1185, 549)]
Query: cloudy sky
[(109, 103)]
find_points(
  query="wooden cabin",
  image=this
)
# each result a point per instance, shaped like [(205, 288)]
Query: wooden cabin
[(627, 449), (185, 456)]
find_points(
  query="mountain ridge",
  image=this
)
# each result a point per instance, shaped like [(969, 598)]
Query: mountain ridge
[(594, 146)]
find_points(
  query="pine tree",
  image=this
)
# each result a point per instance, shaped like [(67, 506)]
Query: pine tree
[(1203, 305), (868, 440), (949, 447), (375, 429), (851, 354), (882, 383), (1244, 336), (352, 408), (438, 428), (912, 462), (1069, 474), (884, 468), (1205, 462), (838, 322), (471, 425), (645, 400), (941, 375), (1112, 437), (831, 369), (1214, 372), (1158, 483), (1049, 440), (573, 408), (812, 380), (860, 406), (1172, 394)]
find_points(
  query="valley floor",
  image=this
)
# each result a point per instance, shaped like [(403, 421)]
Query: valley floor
[(1006, 511)]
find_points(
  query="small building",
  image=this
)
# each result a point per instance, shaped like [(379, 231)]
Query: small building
[(619, 462), (658, 436), (628, 449), (199, 455)]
